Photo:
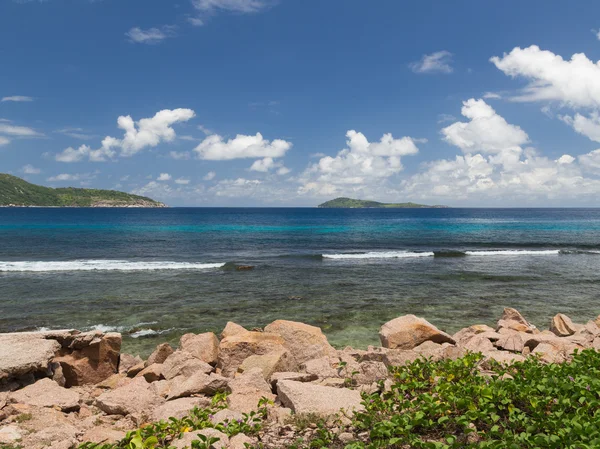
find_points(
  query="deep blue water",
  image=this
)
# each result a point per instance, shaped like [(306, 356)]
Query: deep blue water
[(155, 274)]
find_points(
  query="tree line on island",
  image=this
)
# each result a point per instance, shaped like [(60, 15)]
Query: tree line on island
[(350, 203)]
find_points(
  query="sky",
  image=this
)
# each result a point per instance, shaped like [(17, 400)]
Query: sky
[(295, 102)]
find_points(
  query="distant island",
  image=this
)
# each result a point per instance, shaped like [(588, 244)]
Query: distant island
[(16, 192), (350, 203)]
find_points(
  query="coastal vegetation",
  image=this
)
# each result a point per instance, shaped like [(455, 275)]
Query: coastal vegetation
[(350, 203), (15, 191)]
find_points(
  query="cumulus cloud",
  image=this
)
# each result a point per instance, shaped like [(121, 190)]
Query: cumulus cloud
[(18, 131), (438, 62), (30, 170), (240, 187), (360, 165), (485, 131), (574, 82), (182, 181), (17, 98), (149, 36), (63, 177), (209, 176), (216, 149), (179, 155), (588, 126), (148, 132), (164, 177)]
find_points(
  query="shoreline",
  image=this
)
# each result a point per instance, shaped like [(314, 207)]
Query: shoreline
[(90, 391)]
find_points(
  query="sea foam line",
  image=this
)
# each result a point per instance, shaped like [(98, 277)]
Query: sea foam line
[(102, 265), (379, 255), (523, 252)]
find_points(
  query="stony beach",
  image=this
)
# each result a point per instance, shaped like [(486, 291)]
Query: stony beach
[(59, 389)]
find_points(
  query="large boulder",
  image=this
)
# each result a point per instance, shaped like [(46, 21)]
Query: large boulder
[(310, 398), (160, 354), (303, 341), (93, 363), (234, 349), (202, 346), (409, 331), (562, 326), (134, 398), (198, 383), (247, 390), (178, 408), (513, 342), (232, 329), (26, 353), (47, 393), (279, 360), (128, 361), (182, 363), (512, 320), (187, 438)]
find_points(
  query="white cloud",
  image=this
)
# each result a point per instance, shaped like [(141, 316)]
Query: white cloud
[(76, 133), (443, 118), (179, 155), (71, 154), (574, 82), (149, 36), (283, 171), (4, 141), (438, 62), (30, 170), (164, 177), (492, 96), (243, 6), (216, 149), (209, 176), (588, 126), (72, 177), (360, 165), (19, 131), (591, 161), (239, 187), (205, 130), (486, 131), (182, 181), (267, 164), (17, 98)]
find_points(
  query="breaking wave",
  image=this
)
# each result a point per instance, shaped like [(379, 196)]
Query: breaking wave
[(379, 255), (103, 265)]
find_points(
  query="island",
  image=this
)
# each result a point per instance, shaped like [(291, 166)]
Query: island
[(350, 203), (16, 192)]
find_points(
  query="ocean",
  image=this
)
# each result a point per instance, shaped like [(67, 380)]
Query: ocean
[(155, 274)]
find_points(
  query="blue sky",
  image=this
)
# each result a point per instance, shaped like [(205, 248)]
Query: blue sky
[(289, 102)]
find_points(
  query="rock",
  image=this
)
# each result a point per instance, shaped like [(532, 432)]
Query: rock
[(555, 351), (408, 332), (127, 361), (161, 387), (247, 390), (151, 373), (476, 344), (470, 331), (303, 341), (234, 349), (26, 353), (47, 428), (310, 398), (322, 368), (279, 360), (94, 363), (198, 383), (232, 329), (430, 350), (10, 434), (279, 415), (241, 441), (47, 393), (114, 381), (502, 357), (511, 319), (103, 435), (136, 369), (298, 377), (187, 438), (514, 342), (179, 408), (160, 354), (562, 326), (182, 363), (202, 346), (336, 382), (346, 437), (370, 372), (400, 357), (135, 398), (226, 415)]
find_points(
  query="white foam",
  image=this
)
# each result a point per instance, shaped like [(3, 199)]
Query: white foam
[(103, 265), (523, 252), (143, 333), (379, 255)]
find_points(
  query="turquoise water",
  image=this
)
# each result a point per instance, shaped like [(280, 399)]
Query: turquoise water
[(154, 274)]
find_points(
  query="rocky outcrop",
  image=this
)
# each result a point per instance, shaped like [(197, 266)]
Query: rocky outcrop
[(47, 393), (309, 398), (135, 398), (512, 320), (234, 349), (304, 342), (562, 326), (408, 332), (202, 346)]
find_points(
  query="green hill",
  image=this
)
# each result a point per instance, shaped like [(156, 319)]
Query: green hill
[(18, 192), (350, 203)]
